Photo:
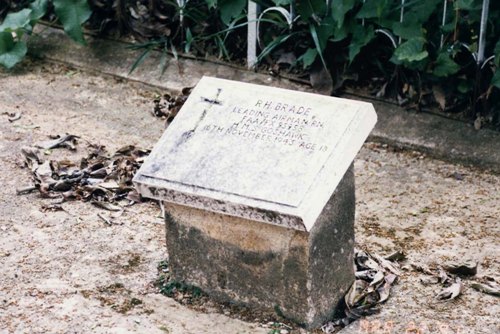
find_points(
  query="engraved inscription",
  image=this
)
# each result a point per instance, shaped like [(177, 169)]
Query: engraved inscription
[(250, 146), (273, 121)]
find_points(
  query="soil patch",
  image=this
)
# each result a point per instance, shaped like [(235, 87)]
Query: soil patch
[(68, 270)]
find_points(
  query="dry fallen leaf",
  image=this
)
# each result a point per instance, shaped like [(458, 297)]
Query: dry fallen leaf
[(390, 266), (134, 196), (451, 292), (363, 261), (110, 185), (14, 116), (43, 174), (398, 255), (488, 285), (467, 268), (355, 293), (427, 280), (107, 206), (168, 106), (378, 278), (489, 288), (52, 207), (478, 123), (384, 292), (68, 141), (366, 275), (32, 157), (439, 96)]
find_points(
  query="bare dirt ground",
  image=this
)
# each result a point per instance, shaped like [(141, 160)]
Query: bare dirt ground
[(69, 272)]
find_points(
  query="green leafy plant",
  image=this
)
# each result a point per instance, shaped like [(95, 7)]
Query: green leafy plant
[(411, 47), (16, 25), (421, 53), (72, 14)]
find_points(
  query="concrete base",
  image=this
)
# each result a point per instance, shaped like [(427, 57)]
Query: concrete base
[(299, 274)]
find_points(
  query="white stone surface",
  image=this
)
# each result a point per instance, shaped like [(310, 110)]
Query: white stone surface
[(256, 152)]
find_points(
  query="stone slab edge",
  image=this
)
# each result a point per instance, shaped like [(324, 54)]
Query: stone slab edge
[(436, 136)]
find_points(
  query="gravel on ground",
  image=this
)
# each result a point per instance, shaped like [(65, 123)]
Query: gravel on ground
[(70, 272)]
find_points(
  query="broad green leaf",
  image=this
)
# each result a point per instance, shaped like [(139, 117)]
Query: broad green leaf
[(372, 9), (464, 86), (495, 81), (360, 37), (16, 21), (308, 57), (419, 12), (39, 8), (324, 31), (407, 30), (339, 9), (467, 4), (211, 3), (445, 66), (6, 41), (368, 10), (473, 47), (72, 14), (340, 33), (311, 8), (449, 27), (411, 51), (282, 2), (11, 52), (497, 54), (230, 9)]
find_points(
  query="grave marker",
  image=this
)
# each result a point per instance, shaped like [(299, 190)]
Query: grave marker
[(259, 194)]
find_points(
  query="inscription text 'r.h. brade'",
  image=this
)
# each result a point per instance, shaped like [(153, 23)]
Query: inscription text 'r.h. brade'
[(276, 122)]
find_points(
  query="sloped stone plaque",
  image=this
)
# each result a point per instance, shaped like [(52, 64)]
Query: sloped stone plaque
[(259, 194)]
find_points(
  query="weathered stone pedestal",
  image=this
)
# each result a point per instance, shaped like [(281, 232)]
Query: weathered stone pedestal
[(258, 188), (302, 274)]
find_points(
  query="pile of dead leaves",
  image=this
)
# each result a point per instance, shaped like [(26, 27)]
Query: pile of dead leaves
[(167, 106), (451, 279), (374, 277), (144, 19), (376, 274), (99, 178)]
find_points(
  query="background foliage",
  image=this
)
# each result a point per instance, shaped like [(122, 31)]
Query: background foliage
[(421, 53), (19, 18)]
